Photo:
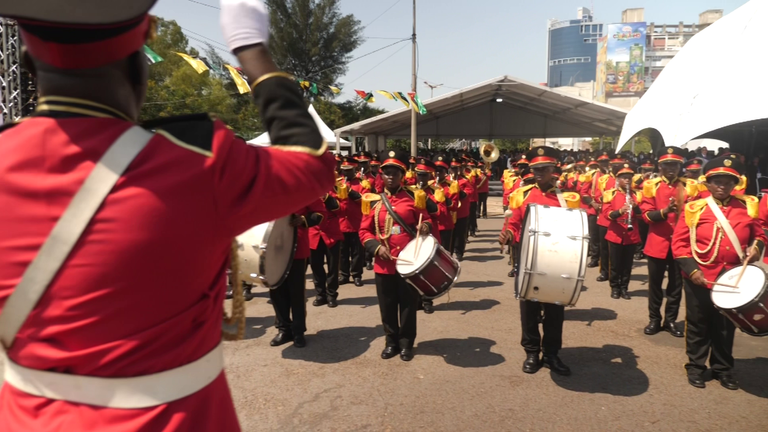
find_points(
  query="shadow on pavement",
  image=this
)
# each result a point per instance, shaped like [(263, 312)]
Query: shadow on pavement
[(484, 258), (752, 375), (638, 293), (256, 327), (473, 352), (359, 301), (484, 250), (478, 284), (467, 306), (590, 315), (611, 369), (334, 345), (639, 278)]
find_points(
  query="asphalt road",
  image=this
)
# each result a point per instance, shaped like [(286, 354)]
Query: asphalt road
[(467, 375)]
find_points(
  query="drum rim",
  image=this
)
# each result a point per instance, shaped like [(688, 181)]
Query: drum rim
[(290, 261), (751, 301), (424, 265), (521, 264)]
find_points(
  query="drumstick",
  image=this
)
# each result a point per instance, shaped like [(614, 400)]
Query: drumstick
[(741, 273), (418, 238), (403, 260), (721, 284)]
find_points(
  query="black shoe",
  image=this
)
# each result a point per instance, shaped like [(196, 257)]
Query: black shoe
[(672, 329), (601, 278), (625, 295), (696, 380), (281, 338), (247, 294), (555, 365), (343, 281), (615, 294), (531, 364), (652, 328), (332, 303), (299, 341), (369, 266), (511, 273), (319, 301), (459, 257), (228, 295), (639, 256), (389, 352), (727, 381), (358, 282), (474, 234), (593, 264), (428, 308), (406, 354)]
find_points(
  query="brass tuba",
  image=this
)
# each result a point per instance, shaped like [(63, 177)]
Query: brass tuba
[(489, 152)]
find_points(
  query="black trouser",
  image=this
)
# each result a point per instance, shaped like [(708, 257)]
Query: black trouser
[(605, 256), (326, 284), (552, 322), (351, 250), (397, 297), (643, 227), (708, 333), (289, 302), (656, 269), (482, 204), (460, 235), (446, 240), (620, 265), (472, 218), (594, 238)]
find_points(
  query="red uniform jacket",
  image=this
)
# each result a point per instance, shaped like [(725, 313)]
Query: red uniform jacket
[(763, 216), (351, 213), (142, 292), (466, 187), (699, 216), (328, 230), (314, 214), (482, 183), (588, 189), (603, 184), (474, 180), (410, 178), (371, 179), (533, 195), (657, 194), (613, 201), (447, 208), (373, 235), (435, 210), (507, 189), (378, 183)]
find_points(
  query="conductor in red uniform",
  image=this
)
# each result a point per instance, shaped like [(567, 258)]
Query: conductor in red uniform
[(140, 295), (704, 251), (385, 233)]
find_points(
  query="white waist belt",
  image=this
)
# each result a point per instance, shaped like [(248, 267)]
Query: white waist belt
[(127, 393)]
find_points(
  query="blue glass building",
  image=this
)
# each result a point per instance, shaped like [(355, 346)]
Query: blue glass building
[(572, 50)]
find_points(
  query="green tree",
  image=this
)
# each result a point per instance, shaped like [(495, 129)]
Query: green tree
[(312, 40)]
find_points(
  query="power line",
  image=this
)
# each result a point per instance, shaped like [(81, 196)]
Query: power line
[(206, 37), (377, 65), (186, 100), (205, 4), (358, 58), (380, 15)]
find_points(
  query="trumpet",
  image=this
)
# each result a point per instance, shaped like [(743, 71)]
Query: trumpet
[(630, 228)]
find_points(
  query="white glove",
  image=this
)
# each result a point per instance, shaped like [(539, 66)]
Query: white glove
[(244, 22)]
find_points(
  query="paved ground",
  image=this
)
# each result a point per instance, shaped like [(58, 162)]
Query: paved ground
[(467, 371)]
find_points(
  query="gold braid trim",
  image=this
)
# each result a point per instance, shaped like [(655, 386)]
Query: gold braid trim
[(388, 221), (716, 239), (238, 300)]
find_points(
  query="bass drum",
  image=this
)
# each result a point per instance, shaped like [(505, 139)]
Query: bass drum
[(745, 306), (265, 253), (553, 255)]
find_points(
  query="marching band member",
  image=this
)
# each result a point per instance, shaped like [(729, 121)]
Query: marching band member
[(435, 204), (367, 179), (542, 163), (622, 235), (325, 247), (410, 175), (606, 182), (121, 307), (507, 183), (474, 179), (288, 299), (482, 190), (703, 251), (662, 198), (693, 169), (378, 182), (352, 254), (646, 171), (386, 233), (450, 204), (587, 184), (528, 180), (462, 213)]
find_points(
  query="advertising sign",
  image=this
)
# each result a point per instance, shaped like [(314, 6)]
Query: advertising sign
[(624, 63), (602, 57)]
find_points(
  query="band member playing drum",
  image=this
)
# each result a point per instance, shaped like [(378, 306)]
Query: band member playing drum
[(622, 210), (663, 197), (325, 247), (542, 163), (389, 226), (435, 203), (703, 249), (288, 298), (352, 255), (462, 214)]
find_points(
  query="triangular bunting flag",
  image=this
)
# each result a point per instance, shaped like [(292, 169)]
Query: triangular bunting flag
[(197, 64), (242, 84), (386, 94), (152, 56), (335, 90), (313, 89), (402, 98), (417, 103), (368, 97)]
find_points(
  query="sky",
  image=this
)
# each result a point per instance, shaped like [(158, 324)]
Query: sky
[(460, 42)]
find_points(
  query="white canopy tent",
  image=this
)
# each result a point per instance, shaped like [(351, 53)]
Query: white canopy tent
[(325, 131), (710, 85), (710, 144)]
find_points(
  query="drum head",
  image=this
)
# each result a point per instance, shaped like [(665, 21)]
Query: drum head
[(750, 286), (526, 245), (281, 245), (426, 250)]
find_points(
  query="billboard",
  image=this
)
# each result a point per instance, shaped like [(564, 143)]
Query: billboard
[(601, 76), (624, 64)]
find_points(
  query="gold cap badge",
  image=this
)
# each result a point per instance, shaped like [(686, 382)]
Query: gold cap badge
[(541, 151), (727, 162), (391, 154), (670, 150)]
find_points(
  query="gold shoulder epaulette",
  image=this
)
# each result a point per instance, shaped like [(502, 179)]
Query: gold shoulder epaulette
[(752, 203), (649, 187), (368, 198), (608, 195), (693, 210), (691, 187), (517, 198), (586, 178), (572, 199), (638, 196), (454, 189), (742, 184), (409, 174), (439, 194)]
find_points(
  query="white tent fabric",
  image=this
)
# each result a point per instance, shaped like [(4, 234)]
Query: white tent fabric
[(328, 135), (710, 144), (710, 84)]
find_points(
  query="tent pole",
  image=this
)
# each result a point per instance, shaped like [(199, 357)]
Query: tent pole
[(414, 144), (338, 144)]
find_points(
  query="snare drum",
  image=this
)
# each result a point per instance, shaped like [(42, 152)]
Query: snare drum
[(433, 271), (553, 255), (265, 253), (745, 306)]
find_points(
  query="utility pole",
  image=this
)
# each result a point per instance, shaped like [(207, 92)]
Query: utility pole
[(432, 87), (414, 144)]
